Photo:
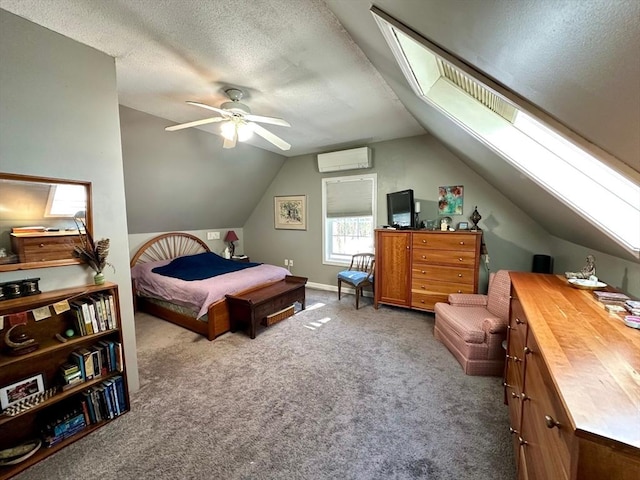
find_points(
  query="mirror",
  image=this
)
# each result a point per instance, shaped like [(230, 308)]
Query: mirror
[(39, 219)]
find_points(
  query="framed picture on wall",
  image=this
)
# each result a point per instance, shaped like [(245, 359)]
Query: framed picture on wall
[(290, 212), (450, 200)]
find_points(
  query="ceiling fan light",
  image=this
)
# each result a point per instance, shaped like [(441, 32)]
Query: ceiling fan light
[(245, 132), (228, 130)]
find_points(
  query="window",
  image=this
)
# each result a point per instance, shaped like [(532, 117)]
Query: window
[(535, 144), (348, 212), (66, 200)]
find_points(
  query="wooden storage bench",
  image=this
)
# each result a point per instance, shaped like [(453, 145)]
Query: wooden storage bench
[(253, 307)]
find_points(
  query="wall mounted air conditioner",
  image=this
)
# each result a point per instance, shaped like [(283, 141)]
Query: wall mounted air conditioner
[(345, 160)]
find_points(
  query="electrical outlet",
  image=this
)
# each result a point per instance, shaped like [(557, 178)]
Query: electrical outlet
[(286, 262), (290, 263), (213, 235)]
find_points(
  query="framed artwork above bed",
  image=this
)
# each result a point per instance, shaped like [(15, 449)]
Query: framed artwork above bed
[(290, 212)]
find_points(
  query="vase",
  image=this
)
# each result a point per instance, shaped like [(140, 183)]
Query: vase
[(98, 278)]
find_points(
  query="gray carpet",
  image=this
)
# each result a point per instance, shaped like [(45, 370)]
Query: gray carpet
[(330, 393)]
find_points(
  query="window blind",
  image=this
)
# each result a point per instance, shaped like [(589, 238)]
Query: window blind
[(349, 198)]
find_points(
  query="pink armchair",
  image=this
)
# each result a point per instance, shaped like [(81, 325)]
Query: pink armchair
[(473, 326)]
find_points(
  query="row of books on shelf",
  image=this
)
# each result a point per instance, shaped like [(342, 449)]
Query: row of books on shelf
[(617, 302), (104, 401), (96, 361), (94, 313)]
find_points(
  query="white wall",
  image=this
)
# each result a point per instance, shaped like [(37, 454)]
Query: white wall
[(59, 118)]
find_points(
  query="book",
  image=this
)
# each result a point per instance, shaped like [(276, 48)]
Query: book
[(615, 296), (79, 360), (82, 312), (79, 325), (97, 367), (109, 355), (611, 308), (118, 352), (107, 308), (69, 368), (118, 380), (112, 306), (632, 306), (88, 363), (93, 315)]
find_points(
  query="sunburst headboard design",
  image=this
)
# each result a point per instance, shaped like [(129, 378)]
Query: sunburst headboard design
[(168, 246)]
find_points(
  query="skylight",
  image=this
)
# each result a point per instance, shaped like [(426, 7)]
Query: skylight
[(559, 165)]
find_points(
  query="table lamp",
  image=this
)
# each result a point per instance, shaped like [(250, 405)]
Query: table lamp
[(230, 238)]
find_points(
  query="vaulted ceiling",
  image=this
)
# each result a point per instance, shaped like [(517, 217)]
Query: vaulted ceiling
[(324, 67)]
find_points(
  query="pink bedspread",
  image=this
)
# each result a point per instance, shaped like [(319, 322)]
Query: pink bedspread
[(199, 294)]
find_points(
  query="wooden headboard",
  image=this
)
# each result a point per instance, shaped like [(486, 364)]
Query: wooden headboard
[(168, 246)]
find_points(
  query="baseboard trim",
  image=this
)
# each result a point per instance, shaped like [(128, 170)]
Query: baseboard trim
[(334, 288)]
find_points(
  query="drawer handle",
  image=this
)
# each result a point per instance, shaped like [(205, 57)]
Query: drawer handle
[(422, 271), (424, 257), (522, 442), (524, 396), (527, 350), (459, 291), (515, 396), (461, 243), (423, 287), (513, 431), (421, 301), (514, 358), (551, 422), (424, 241), (41, 245), (518, 321), (460, 258), (459, 275)]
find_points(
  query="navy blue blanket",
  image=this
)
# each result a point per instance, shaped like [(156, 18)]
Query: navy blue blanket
[(200, 266)]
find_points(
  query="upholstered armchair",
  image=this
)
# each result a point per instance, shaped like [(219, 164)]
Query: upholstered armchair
[(359, 274), (473, 326)]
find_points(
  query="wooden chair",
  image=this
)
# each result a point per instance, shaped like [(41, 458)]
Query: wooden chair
[(359, 274)]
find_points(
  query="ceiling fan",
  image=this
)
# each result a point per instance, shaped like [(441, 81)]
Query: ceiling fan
[(238, 123)]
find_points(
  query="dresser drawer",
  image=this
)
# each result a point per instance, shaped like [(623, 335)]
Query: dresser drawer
[(41, 249), (425, 301), (443, 274), (439, 288), (445, 241), (545, 424), (444, 257)]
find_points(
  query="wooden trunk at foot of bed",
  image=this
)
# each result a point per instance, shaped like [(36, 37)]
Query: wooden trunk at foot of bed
[(217, 324)]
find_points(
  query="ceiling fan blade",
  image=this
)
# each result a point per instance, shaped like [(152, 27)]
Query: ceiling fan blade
[(270, 137), (270, 120), (209, 107), (230, 143), (193, 124)]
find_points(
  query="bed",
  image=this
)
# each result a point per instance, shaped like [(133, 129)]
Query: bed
[(199, 305)]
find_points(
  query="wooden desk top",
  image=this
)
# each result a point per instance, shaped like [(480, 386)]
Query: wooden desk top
[(593, 357)]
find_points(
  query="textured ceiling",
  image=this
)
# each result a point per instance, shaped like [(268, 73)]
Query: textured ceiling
[(293, 60)]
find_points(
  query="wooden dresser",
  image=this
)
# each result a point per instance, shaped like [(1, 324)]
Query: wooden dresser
[(572, 384), (418, 268), (42, 247)]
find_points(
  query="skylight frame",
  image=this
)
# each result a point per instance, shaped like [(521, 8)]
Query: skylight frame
[(624, 230)]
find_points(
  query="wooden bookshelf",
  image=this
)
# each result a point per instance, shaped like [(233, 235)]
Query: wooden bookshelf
[(107, 390)]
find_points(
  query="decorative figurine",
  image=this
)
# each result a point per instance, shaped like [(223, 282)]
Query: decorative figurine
[(587, 271), (19, 343), (475, 218)]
